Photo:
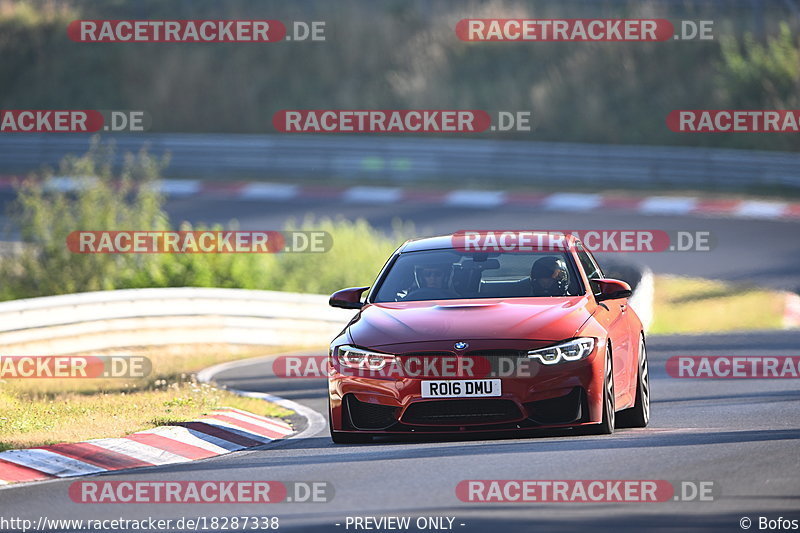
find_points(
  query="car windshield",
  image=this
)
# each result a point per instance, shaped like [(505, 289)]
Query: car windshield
[(452, 274)]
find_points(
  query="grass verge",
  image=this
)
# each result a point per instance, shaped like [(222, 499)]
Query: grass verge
[(695, 305), (38, 412), (71, 417)]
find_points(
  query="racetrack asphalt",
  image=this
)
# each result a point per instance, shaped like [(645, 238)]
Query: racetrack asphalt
[(740, 434)]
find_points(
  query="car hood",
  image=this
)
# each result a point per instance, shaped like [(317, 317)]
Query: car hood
[(519, 318)]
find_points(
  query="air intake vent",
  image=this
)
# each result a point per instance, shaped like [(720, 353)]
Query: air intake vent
[(365, 415), (460, 412)]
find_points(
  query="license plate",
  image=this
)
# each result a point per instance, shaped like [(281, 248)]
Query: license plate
[(470, 388)]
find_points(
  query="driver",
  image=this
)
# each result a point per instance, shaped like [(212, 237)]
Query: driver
[(549, 277), (432, 276)]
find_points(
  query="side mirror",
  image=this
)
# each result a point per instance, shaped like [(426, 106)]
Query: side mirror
[(347, 298), (612, 289)]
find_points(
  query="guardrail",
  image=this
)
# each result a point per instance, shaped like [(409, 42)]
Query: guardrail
[(414, 159), (85, 322), (74, 323)]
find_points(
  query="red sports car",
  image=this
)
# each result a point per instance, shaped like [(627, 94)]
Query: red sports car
[(453, 340)]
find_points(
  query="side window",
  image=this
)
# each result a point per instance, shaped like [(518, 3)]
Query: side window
[(589, 265)]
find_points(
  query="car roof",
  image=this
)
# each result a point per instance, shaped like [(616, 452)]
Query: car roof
[(441, 242)]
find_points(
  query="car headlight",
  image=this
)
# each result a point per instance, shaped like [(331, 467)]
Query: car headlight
[(566, 351), (359, 358)]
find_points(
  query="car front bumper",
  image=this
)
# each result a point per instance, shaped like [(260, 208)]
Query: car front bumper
[(540, 396)]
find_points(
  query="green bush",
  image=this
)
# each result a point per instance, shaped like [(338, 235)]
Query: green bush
[(46, 214), (762, 75), (129, 200)]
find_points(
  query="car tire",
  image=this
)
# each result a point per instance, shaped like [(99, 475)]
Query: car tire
[(638, 416), (606, 426)]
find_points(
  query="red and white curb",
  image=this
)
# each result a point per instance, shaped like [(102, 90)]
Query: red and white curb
[(486, 199), (315, 422), (223, 431)]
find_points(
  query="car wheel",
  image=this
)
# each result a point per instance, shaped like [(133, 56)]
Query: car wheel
[(606, 426), (638, 416)]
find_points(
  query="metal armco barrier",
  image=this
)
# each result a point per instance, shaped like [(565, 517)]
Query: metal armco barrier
[(414, 159), (74, 323)]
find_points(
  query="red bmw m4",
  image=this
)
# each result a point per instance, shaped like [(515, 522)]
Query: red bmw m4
[(453, 340)]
